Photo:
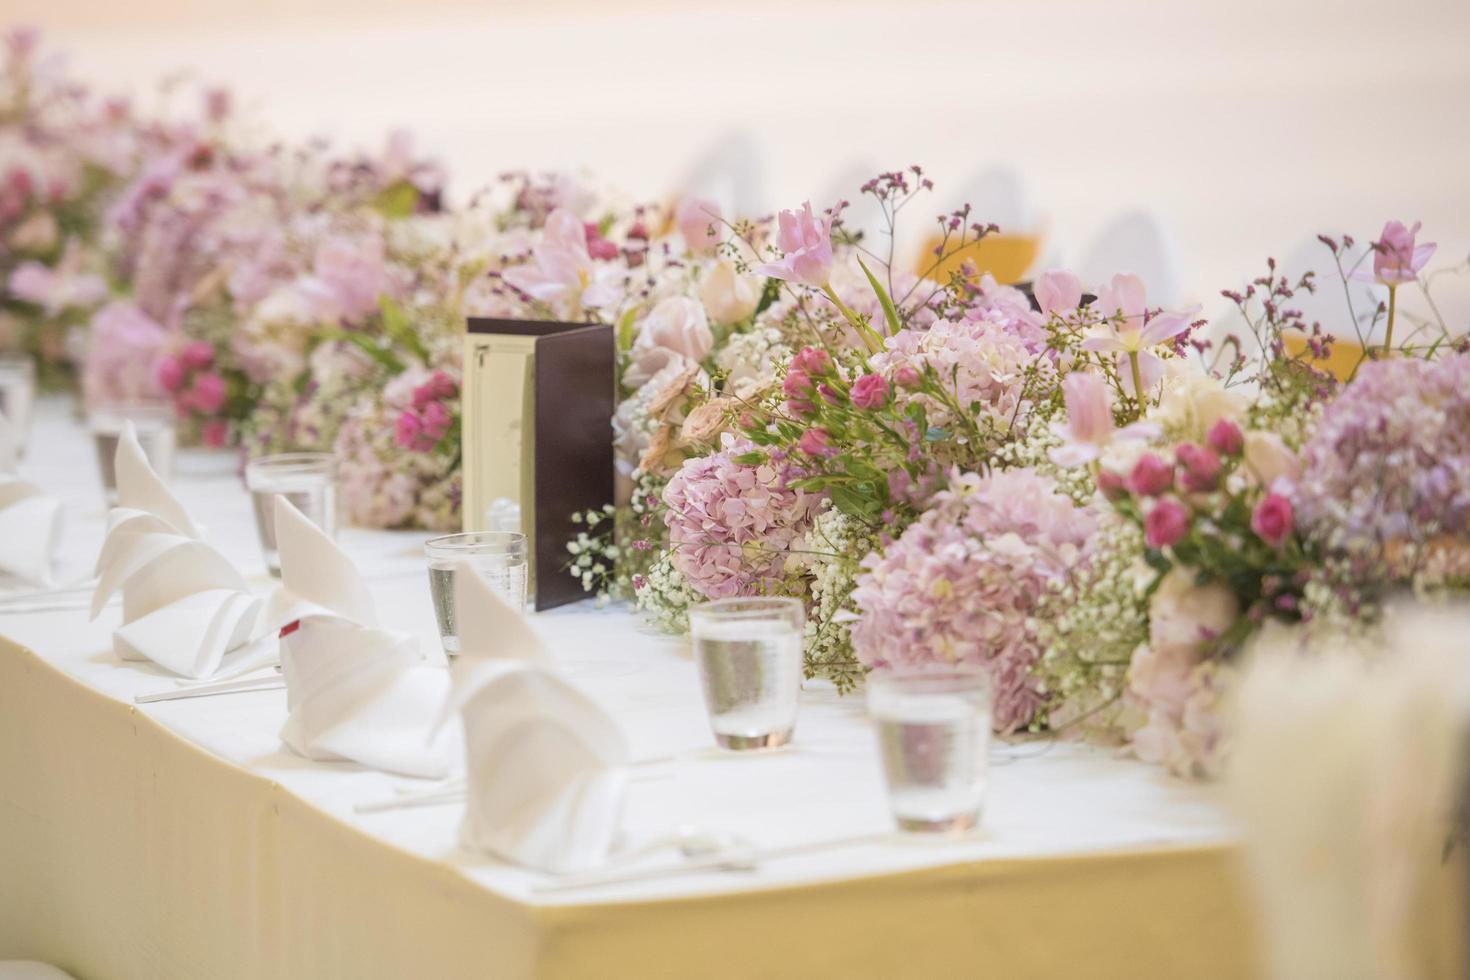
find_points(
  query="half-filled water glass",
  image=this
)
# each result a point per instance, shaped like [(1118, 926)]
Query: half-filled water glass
[(933, 730), (749, 656), (307, 480), (498, 556), (17, 396), (155, 425)]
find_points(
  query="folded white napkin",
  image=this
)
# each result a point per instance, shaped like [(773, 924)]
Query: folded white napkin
[(185, 606), (546, 767), (355, 692), (30, 521)]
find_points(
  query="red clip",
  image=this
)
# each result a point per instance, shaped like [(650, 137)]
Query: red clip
[(290, 628)]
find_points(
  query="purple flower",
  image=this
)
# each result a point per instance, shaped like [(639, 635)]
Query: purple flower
[(1272, 519), (961, 584), (1166, 524), (807, 244), (1150, 476), (870, 392)]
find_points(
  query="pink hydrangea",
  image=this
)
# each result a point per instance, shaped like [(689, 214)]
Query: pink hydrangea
[(961, 584), (122, 357), (732, 525), (979, 362)]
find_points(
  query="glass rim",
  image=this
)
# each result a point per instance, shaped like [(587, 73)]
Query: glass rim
[(292, 463), (747, 607), (130, 410), (936, 677), (466, 543)]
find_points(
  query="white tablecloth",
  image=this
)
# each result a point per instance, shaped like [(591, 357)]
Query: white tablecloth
[(1046, 799)]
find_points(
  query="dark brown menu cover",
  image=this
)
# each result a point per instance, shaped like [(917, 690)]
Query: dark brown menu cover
[(573, 377)]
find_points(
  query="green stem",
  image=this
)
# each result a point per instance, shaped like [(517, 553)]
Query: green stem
[(1137, 384), (872, 340), (1393, 292)]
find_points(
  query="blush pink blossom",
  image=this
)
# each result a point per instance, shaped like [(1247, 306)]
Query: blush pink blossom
[(562, 272), (122, 356), (870, 392), (907, 377), (1166, 524), (1150, 476), (1057, 291), (1089, 426), (1273, 520), (806, 241), (1396, 257), (699, 221), (1133, 331)]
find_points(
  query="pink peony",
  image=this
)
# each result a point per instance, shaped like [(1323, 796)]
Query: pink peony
[(1166, 524), (1150, 476), (807, 244), (870, 392), (732, 525), (961, 584), (1272, 519)]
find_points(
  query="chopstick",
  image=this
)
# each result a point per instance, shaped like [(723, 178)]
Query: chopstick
[(273, 683)]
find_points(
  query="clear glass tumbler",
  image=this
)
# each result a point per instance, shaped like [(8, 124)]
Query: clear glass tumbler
[(933, 729), (307, 480), (155, 425), (749, 656), (499, 557), (17, 396)]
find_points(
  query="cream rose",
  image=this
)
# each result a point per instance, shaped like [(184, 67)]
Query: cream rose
[(728, 296)]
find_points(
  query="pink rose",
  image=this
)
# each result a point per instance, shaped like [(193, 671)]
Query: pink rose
[(439, 387), (597, 246), (816, 442), (797, 387), (1113, 486), (1057, 291), (870, 392), (807, 244), (699, 221), (813, 361), (407, 430), (1166, 524), (198, 355), (207, 393), (170, 374), (1151, 476), (1273, 519), (1201, 467), (908, 377), (1225, 438), (215, 433), (436, 420)]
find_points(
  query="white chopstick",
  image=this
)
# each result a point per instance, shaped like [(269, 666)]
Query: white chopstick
[(453, 790), (272, 683)]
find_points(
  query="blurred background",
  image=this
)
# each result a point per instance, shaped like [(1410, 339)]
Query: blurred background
[(1205, 136)]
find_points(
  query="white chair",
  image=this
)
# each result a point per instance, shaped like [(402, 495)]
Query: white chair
[(1134, 242), (30, 970), (996, 195), (731, 171)]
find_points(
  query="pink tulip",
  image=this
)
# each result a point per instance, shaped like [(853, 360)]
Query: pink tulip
[(1151, 476), (1089, 426), (1131, 332), (1166, 525), (807, 243), (1273, 519), (699, 221), (1057, 291), (1396, 259), (562, 270), (870, 392)]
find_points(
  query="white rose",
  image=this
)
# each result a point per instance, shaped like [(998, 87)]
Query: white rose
[(1269, 459), (677, 329), (1193, 402), (728, 296), (1183, 615)]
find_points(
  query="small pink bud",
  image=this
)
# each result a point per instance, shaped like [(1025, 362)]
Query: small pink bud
[(1225, 438), (1151, 476), (1166, 525)]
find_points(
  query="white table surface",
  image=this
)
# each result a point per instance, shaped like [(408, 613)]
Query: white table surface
[(1045, 799)]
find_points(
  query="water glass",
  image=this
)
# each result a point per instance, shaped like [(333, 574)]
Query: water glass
[(498, 556), (749, 656), (154, 424), (17, 396), (307, 480), (934, 735)]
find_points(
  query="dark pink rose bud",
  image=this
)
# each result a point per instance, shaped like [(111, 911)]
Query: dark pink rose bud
[(1225, 438), (813, 361), (1201, 467), (1151, 476), (797, 383), (1166, 524), (816, 442), (1273, 519), (1112, 485), (907, 377)]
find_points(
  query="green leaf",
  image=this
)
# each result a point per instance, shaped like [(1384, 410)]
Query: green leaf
[(769, 295), (363, 342), (890, 313), (750, 459), (398, 200), (400, 331), (625, 330)]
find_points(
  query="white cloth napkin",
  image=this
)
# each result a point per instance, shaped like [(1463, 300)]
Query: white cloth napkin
[(30, 520), (355, 692), (546, 767), (185, 606)]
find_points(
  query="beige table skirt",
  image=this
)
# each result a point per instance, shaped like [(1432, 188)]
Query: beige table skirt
[(127, 853)]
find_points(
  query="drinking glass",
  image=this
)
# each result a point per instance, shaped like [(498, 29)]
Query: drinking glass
[(499, 557), (934, 735), (17, 396), (307, 480), (153, 423), (749, 657)]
